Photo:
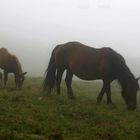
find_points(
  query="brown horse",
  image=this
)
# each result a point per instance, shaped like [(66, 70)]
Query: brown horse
[(10, 64), (90, 64)]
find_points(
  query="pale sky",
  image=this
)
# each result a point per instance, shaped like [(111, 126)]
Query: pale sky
[(32, 28)]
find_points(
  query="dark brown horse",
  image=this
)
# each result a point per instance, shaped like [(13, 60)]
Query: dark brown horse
[(10, 64), (90, 64)]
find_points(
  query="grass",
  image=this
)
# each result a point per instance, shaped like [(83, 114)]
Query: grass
[(23, 116)]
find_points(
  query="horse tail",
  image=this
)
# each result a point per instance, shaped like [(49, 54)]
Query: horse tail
[(49, 80)]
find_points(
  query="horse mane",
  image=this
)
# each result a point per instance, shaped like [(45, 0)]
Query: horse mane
[(126, 77), (16, 62), (124, 74)]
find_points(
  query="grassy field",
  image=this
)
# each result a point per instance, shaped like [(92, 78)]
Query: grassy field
[(23, 116)]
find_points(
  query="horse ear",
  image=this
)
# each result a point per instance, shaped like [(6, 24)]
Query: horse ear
[(24, 73)]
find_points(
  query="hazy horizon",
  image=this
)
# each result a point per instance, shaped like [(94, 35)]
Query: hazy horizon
[(31, 29)]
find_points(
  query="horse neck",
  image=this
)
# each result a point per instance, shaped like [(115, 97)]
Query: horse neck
[(125, 77), (18, 68)]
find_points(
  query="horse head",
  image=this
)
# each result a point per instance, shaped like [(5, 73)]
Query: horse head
[(21, 78), (129, 93)]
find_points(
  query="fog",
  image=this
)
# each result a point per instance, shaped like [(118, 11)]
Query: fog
[(32, 28)]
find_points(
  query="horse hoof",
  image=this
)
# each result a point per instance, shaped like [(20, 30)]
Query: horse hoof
[(98, 102), (71, 97), (109, 103)]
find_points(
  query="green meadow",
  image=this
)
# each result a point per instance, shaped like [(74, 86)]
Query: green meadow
[(24, 115)]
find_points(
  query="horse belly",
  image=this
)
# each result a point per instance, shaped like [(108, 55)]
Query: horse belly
[(87, 77), (85, 71)]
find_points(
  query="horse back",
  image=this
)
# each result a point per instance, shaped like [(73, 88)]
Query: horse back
[(9, 62), (72, 51), (86, 62), (4, 57)]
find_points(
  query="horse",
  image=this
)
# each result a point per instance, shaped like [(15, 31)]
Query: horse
[(10, 64), (90, 63)]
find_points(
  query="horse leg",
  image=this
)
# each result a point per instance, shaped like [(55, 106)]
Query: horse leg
[(1, 81), (16, 81), (68, 81), (108, 93), (100, 96), (0, 84), (5, 78), (58, 79)]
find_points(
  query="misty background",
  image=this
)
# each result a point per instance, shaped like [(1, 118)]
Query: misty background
[(30, 29)]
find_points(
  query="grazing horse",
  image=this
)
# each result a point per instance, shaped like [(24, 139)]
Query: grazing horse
[(10, 64), (89, 63)]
